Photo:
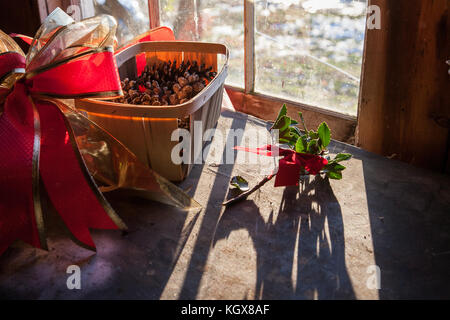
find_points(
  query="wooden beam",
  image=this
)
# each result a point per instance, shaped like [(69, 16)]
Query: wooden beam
[(20, 16), (267, 107), (43, 12), (154, 13), (404, 90), (249, 45), (77, 9)]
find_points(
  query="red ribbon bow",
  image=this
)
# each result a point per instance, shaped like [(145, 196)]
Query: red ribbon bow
[(291, 164), (35, 144)]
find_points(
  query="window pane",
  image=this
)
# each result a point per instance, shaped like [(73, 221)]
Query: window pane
[(311, 51), (131, 15), (211, 21)]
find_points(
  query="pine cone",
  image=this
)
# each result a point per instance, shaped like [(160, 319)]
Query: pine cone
[(166, 84)]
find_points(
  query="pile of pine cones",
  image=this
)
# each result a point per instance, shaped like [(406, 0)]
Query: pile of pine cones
[(166, 84)]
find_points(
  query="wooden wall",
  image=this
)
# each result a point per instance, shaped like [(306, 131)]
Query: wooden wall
[(26, 16), (404, 106), (267, 107), (20, 16)]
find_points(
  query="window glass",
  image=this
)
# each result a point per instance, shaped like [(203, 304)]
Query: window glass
[(305, 50), (210, 21), (131, 15), (311, 51)]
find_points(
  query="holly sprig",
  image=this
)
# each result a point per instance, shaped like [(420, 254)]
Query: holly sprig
[(309, 141), (306, 141)]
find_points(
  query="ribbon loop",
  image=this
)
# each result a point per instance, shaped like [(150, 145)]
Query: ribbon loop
[(291, 164), (17, 177), (93, 74)]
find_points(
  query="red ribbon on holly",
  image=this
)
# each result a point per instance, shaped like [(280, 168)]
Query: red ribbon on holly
[(291, 165)]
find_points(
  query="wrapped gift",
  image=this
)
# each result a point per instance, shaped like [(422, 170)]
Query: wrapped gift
[(45, 142)]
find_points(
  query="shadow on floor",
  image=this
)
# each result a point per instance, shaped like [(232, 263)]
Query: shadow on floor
[(135, 265), (212, 212), (409, 213), (300, 250)]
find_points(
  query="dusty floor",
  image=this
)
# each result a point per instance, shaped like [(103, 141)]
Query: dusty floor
[(321, 243)]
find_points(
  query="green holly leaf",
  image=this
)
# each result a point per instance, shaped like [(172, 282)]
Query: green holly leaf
[(281, 113), (342, 157), (282, 124), (294, 133), (312, 142), (324, 134), (239, 183), (300, 146), (305, 142), (339, 167), (285, 137), (334, 166), (312, 147), (334, 170), (288, 136), (313, 135), (335, 175)]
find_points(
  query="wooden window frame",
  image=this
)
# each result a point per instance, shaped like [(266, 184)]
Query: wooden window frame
[(154, 15)]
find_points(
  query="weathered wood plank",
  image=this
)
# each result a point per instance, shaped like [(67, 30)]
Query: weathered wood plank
[(405, 83), (266, 108), (249, 45), (153, 13)]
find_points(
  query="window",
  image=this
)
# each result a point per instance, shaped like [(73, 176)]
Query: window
[(132, 16), (308, 51), (211, 21)]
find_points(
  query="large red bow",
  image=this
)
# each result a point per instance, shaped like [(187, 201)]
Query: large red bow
[(38, 144), (291, 165), (35, 144)]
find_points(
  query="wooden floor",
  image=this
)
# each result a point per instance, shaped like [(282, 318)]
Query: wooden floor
[(320, 243)]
